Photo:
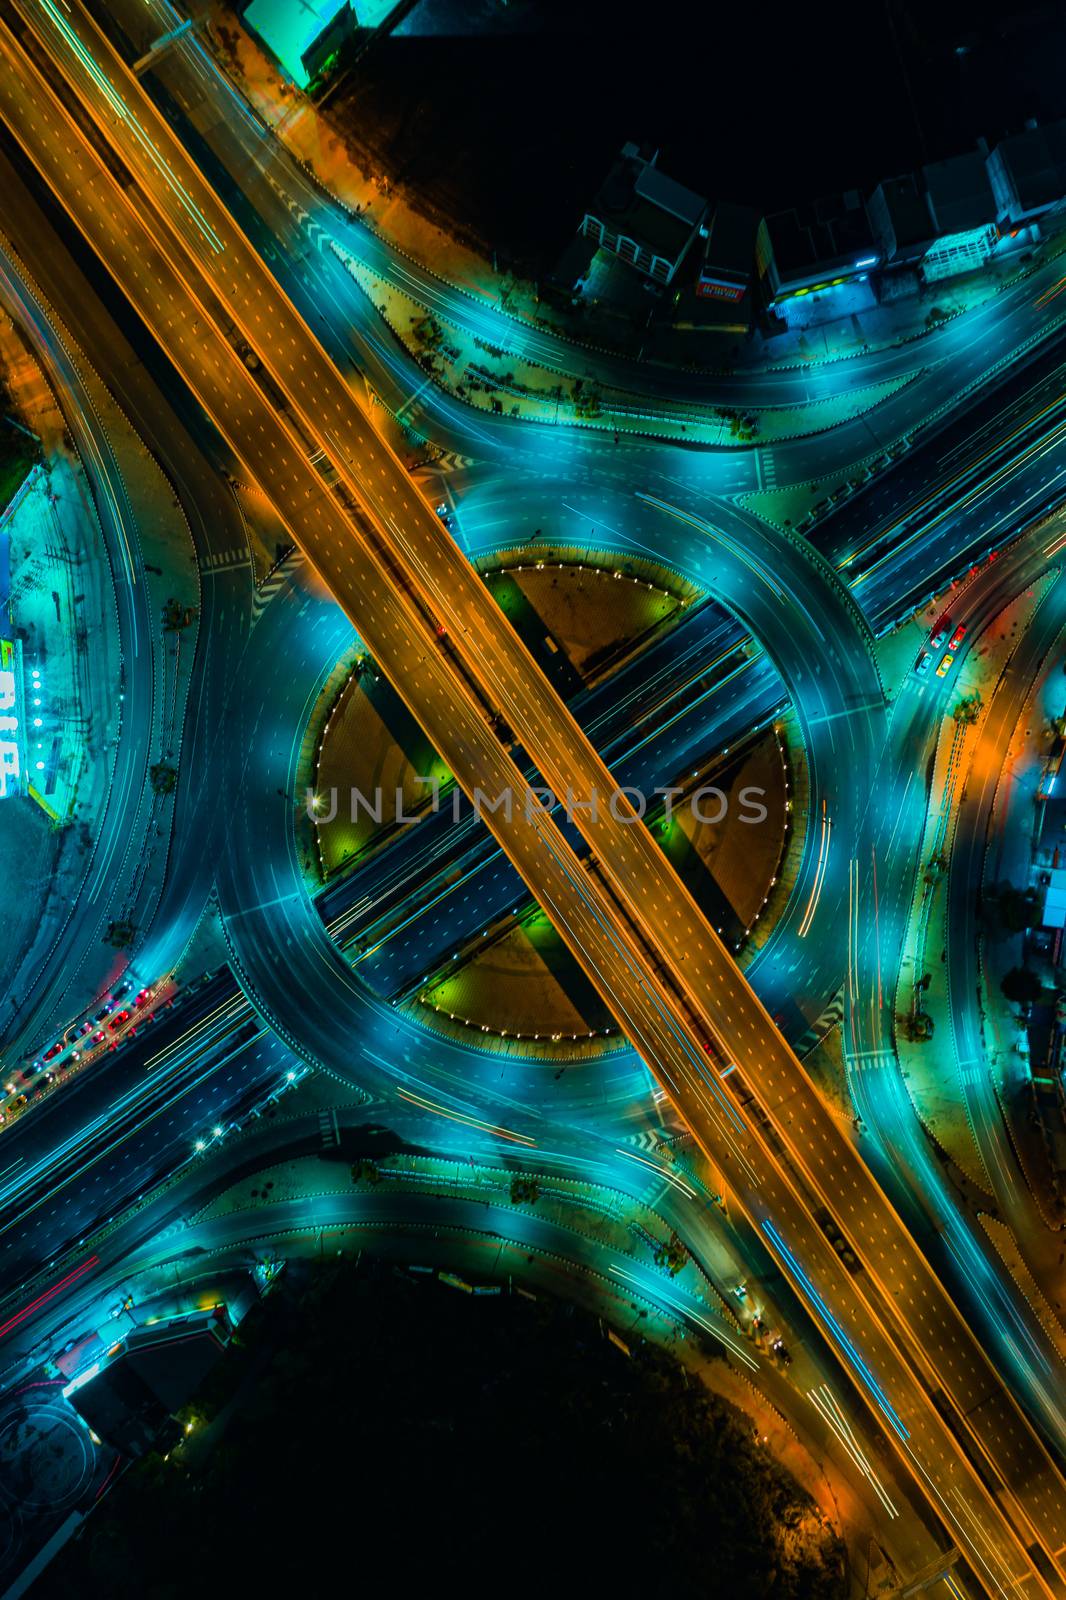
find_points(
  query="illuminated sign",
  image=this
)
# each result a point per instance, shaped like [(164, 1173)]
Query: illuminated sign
[(718, 289), (10, 766)]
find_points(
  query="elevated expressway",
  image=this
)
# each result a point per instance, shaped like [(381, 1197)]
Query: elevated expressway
[(635, 930)]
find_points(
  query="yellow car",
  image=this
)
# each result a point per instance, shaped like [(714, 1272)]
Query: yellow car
[(945, 666)]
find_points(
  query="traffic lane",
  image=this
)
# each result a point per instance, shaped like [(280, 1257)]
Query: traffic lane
[(626, 710), (949, 1379), (165, 1258), (940, 553), (1026, 407), (964, 877), (131, 1152), (36, 1141), (217, 529), (289, 656), (286, 663), (405, 932), (122, 824), (190, 73), (897, 1149), (516, 844)]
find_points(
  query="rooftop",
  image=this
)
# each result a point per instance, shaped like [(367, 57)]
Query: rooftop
[(731, 242), (899, 203), (959, 193), (832, 232), (1036, 163), (642, 202)]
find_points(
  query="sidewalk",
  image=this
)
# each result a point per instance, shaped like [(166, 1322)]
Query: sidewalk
[(930, 1067), (1011, 858), (499, 379), (347, 172)]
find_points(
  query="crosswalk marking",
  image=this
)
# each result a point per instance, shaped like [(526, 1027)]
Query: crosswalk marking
[(275, 579), (448, 462), (830, 1018), (216, 560)]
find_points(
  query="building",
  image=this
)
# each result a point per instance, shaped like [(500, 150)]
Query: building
[(959, 193), (728, 262), (1053, 899), (644, 217), (1028, 173), (963, 208), (902, 225), (821, 246), (293, 32), (129, 1397), (324, 48)]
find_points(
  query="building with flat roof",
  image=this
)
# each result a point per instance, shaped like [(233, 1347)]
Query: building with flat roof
[(815, 247), (1053, 900), (129, 1396), (963, 208), (293, 29), (1028, 173), (728, 262), (644, 217), (321, 54), (900, 219), (959, 192)]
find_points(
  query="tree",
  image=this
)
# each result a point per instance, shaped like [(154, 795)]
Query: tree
[(1021, 985), (163, 778), (919, 1025), (935, 869), (524, 1189), (177, 616), (366, 1172), (1009, 910), (968, 709), (672, 1255)]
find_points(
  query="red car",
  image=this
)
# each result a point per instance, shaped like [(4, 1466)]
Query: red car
[(143, 998), (50, 1055), (98, 1038), (116, 1022), (957, 637)]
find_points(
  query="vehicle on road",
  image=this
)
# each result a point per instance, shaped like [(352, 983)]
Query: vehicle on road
[(923, 663), (117, 1022), (945, 666), (941, 628), (957, 637)]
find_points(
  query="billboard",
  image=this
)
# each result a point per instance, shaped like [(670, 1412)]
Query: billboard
[(709, 288), (10, 760)]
